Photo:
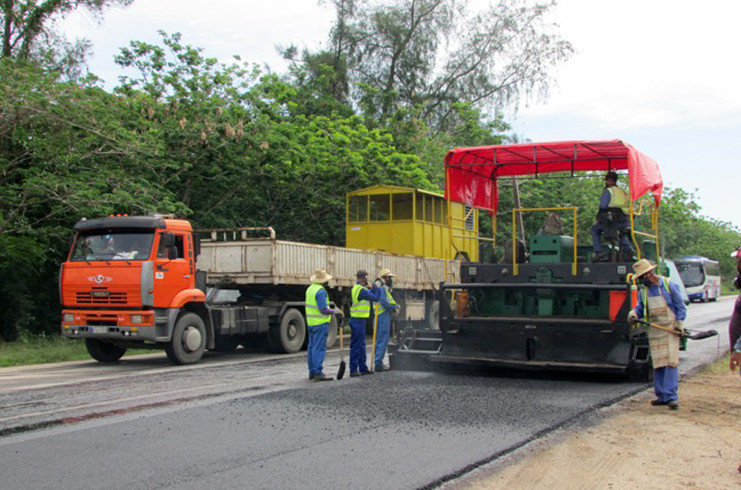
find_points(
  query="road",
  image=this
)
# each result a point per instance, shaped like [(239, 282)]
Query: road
[(254, 421)]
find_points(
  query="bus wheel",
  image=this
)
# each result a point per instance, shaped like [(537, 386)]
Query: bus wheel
[(188, 340), (103, 351)]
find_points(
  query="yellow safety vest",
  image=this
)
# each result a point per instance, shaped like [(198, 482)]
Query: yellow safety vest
[(313, 315), (618, 198), (644, 293), (359, 308), (389, 298)]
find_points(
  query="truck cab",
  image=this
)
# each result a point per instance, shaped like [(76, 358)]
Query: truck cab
[(130, 281)]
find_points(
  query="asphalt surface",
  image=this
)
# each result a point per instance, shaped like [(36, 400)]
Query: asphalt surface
[(277, 430)]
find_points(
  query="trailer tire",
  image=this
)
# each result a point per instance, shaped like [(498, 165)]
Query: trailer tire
[(289, 336), (188, 340), (332, 334), (104, 351), (433, 319)]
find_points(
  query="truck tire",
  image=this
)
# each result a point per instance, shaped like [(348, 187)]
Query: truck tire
[(103, 351), (188, 340), (289, 336), (332, 335)]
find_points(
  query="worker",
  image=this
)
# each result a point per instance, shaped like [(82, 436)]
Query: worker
[(734, 326), (660, 303), (318, 316), (386, 305), (612, 197), (359, 314)]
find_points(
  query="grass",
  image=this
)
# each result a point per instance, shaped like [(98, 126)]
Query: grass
[(44, 349)]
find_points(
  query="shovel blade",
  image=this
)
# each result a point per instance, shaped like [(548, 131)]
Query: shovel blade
[(341, 370)]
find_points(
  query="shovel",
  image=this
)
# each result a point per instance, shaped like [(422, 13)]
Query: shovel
[(702, 334), (343, 366)]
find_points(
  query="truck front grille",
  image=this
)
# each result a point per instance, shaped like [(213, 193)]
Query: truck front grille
[(101, 297)]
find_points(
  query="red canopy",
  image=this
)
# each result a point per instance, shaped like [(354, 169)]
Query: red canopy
[(471, 173)]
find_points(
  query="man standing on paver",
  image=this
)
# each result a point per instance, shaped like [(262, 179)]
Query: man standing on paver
[(318, 316), (660, 303), (359, 314), (386, 305)]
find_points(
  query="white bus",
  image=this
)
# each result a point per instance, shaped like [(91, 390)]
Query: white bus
[(701, 277)]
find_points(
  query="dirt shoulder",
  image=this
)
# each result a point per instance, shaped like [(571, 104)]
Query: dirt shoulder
[(635, 445)]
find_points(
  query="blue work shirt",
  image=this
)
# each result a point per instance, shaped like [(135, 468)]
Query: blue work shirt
[(384, 300), (321, 302), (673, 299), (604, 201), (372, 294)]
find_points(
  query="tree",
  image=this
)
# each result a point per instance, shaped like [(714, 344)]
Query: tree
[(28, 33), (433, 54)]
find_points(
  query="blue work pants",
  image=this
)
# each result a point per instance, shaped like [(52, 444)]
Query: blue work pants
[(383, 330), (357, 345), (597, 231), (666, 382), (317, 347)]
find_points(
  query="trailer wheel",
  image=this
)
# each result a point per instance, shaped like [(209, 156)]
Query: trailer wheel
[(289, 336), (103, 351), (188, 340), (332, 335)]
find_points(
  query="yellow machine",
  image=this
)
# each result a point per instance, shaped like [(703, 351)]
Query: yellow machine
[(410, 221)]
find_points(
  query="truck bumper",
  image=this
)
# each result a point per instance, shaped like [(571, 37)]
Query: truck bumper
[(114, 325)]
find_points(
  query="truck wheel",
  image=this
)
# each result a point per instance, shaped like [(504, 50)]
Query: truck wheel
[(188, 340), (103, 351), (289, 336), (332, 335)]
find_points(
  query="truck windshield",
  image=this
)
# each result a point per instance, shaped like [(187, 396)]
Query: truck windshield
[(112, 245)]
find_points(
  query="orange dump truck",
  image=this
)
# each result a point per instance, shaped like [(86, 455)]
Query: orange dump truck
[(152, 282)]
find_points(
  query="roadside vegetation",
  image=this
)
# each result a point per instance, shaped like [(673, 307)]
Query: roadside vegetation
[(41, 349), (233, 144)]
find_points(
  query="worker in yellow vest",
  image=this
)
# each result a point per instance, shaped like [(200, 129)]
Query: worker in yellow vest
[(612, 197), (386, 305), (359, 314), (318, 316)]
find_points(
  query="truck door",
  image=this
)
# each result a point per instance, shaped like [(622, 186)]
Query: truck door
[(173, 267)]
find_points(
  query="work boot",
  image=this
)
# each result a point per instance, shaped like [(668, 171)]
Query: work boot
[(322, 377), (311, 376), (354, 375), (601, 257), (658, 402), (363, 373), (673, 404), (380, 368)]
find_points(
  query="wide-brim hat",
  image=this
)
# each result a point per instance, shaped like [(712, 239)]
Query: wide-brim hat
[(736, 253), (320, 276), (641, 267), (386, 272)]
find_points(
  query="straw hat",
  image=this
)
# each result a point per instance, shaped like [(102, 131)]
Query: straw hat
[(386, 272), (736, 253), (641, 267), (320, 276)]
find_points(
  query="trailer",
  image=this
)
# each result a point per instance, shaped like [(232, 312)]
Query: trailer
[(548, 305), (154, 282)]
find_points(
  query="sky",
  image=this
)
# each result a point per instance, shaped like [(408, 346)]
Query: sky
[(662, 75)]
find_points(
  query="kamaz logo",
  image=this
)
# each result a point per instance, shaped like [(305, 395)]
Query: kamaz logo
[(99, 279)]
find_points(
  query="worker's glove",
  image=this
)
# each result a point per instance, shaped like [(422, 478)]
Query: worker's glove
[(378, 282), (632, 317), (339, 312), (678, 326)]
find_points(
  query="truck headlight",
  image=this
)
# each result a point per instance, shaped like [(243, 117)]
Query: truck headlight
[(136, 319), (68, 317)]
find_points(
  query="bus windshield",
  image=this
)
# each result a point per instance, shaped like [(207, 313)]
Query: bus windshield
[(692, 274), (112, 245)]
